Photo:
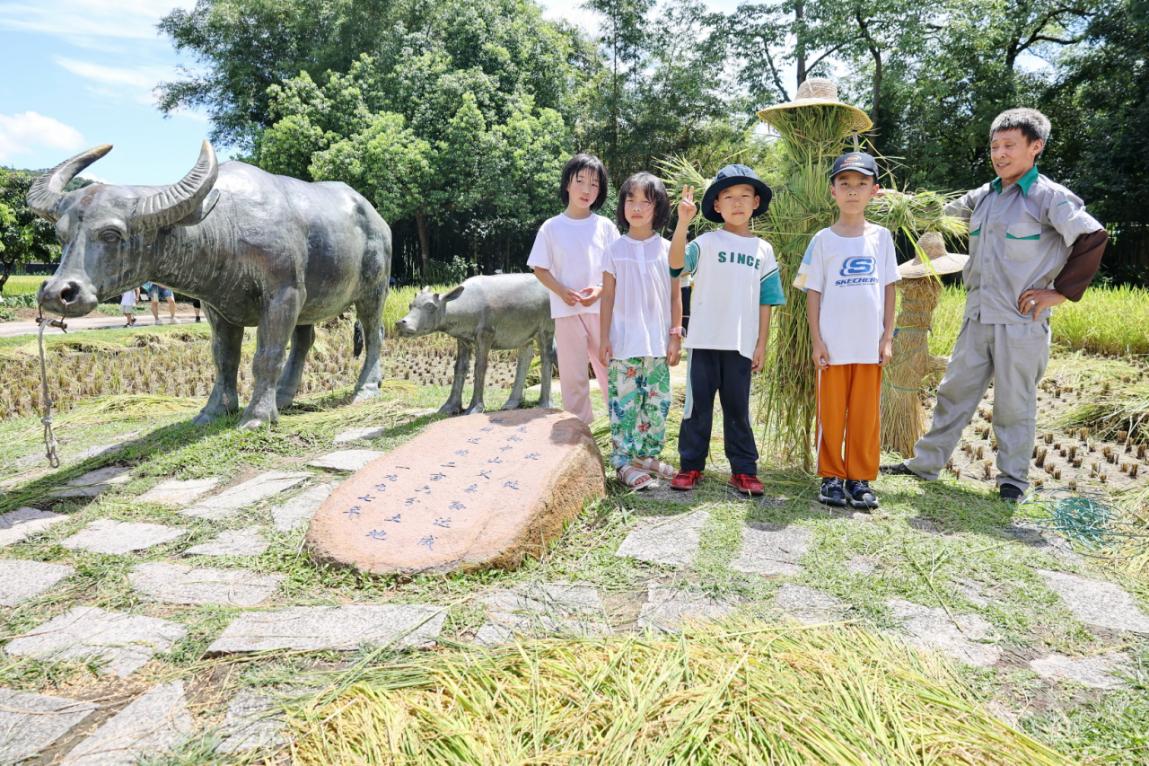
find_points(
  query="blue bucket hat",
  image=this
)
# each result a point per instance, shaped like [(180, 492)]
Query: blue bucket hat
[(732, 175)]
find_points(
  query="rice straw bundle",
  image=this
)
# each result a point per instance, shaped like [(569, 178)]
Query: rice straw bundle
[(905, 375)]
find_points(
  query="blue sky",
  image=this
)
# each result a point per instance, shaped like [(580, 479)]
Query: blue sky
[(78, 73)]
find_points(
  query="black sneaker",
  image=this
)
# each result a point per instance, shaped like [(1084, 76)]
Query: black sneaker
[(832, 493), (860, 495), (897, 469), (1010, 493)]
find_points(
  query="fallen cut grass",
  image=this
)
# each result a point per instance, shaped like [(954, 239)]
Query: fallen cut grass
[(736, 693)]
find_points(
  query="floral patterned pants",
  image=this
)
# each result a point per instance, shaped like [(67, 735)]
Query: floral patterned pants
[(639, 393)]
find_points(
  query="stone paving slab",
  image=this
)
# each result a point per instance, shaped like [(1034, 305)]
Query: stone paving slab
[(120, 537), (177, 584), (931, 628), (670, 540), (155, 722), (232, 500), (30, 723), (94, 482), (177, 493), (348, 460), (25, 522), (862, 565), (21, 580), (123, 641), (332, 627), (253, 722), (809, 606), (666, 609), (358, 434), (1029, 533), (542, 609), (1098, 603), (248, 541), (297, 511), (1097, 672), (772, 550)]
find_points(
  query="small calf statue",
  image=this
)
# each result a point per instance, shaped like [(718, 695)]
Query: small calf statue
[(503, 311)]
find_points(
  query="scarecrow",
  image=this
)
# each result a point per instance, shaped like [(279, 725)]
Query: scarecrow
[(912, 365)]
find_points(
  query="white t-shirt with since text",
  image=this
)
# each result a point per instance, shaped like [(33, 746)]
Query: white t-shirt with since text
[(571, 249), (851, 273), (640, 319)]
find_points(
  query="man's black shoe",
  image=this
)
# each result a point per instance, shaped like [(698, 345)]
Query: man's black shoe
[(896, 469), (832, 493), (1010, 494), (860, 495)]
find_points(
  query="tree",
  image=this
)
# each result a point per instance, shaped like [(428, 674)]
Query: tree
[(24, 236)]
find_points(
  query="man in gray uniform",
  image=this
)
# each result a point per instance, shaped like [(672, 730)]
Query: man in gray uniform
[(1032, 246)]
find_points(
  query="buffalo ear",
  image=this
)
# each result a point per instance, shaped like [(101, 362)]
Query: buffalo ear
[(200, 213), (453, 294)]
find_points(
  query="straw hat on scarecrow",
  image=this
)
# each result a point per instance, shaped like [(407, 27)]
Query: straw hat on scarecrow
[(912, 367), (818, 91)]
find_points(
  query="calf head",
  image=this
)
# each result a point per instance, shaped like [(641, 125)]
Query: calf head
[(427, 312), (108, 232)]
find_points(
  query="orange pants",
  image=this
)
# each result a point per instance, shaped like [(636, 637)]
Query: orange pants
[(849, 399)]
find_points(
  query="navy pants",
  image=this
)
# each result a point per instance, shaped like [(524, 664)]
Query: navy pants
[(726, 373)]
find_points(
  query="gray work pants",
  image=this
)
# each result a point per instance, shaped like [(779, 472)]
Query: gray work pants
[(1013, 356)]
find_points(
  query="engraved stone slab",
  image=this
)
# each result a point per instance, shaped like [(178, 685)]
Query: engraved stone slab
[(332, 627), (21, 580), (253, 722), (178, 492), (468, 493), (1097, 603), (772, 550), (175, 584), (931, 628), (155, 722), (24, 522), (232, 542), (299, 509), (107, 536), (232, 500), (809, 606), (31, 722), (669, 540), (358, 434), (542, 609), (667, 608), (349, 460), (123, 641), (1098, 672)]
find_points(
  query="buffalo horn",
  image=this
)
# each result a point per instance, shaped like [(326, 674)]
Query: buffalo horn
[(176, 202), (45, 193)]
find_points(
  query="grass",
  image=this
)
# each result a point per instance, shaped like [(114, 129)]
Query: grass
[(23, 284)]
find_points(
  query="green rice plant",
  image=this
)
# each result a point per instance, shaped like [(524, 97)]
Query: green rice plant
[(737, 693), (23, 284)]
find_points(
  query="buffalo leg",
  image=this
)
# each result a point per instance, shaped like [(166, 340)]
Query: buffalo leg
[(524, 366), (482, 351), (368, 311), (277, 322), (226, 341), (301, 341), (546, 366), (454, 403)]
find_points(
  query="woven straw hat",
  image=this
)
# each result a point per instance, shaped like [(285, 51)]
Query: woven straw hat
[(818, 91), (941, 261)]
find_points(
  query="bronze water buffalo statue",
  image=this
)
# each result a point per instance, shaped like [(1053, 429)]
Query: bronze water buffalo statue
[(256, 249)]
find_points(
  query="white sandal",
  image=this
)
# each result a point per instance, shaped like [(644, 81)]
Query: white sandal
[(634, 478), (654, 466)]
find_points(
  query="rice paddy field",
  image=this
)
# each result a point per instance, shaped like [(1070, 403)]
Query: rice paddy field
[(834, 659)]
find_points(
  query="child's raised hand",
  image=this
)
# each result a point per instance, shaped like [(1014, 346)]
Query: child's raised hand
[(686, 207)]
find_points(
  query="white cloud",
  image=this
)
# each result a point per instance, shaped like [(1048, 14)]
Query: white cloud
[(134, 77), (28, 130), (82, 20)]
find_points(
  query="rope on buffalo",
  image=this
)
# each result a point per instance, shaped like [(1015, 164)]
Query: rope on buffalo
[(46, 419)]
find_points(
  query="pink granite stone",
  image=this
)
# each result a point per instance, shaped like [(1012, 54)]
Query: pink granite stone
[(475, 492)]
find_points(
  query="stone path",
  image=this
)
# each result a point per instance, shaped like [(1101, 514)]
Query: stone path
[(772, 550), (153, 723), (358, 434), (93, 483), (542, 609), (234, 499), (24, 522), (174, 584), (666, 609), (30, 723), (809, 606), (1102, 671), (23, 580), (1102, 604), (123, 642), (348, 460), (248, 541), (297, 511), (669, 540), (931, 628), (252, 723), (107, 536), (332, 627), (177, 493)]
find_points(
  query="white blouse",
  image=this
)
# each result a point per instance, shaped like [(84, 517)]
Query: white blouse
[(640, 321)]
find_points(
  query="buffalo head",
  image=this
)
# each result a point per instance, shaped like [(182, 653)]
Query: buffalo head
[(426, 313), (107, 232)]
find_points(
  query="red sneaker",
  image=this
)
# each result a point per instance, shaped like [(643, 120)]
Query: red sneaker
[(685, 480), (748, 483)]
